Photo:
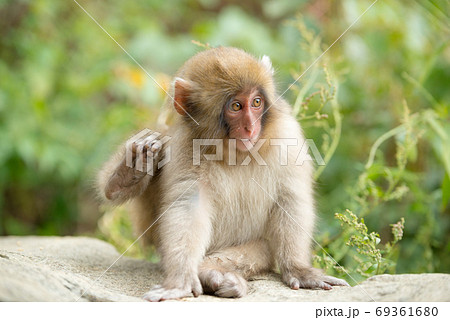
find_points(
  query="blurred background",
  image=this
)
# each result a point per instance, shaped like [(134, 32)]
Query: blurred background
[(376, 104)]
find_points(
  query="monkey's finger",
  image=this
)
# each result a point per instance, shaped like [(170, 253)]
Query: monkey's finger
[(323, 285), (196, 287), (140, 159), (149, 140), (314, 284), (196, 292), (335, 281), (137, 147), (153, 295), (134, 147), (156, 146), (143, 143), (161, 294), (294, 284)]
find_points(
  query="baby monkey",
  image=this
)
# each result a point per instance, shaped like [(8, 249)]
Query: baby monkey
[(229, 204)]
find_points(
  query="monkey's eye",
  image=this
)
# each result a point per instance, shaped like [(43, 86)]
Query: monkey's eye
[(236, 106), (257, 102)]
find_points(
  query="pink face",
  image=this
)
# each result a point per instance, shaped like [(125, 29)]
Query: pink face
[(243, 116)]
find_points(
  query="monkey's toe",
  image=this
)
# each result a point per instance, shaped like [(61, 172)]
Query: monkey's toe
[(310, 278), (223, 284), (295, 284), (335, 281), (233, 286)]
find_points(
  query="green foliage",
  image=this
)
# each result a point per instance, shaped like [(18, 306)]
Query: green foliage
[(376, 105), (115, 227), (377, 186), (370, 259), (395, 182)]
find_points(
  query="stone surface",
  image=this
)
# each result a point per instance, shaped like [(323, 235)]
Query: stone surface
[(64, 268)]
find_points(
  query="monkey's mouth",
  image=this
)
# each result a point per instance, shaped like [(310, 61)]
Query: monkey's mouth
[(246, 144)]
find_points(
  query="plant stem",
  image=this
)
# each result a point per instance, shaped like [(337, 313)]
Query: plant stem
[(380, 140), (336, 138)]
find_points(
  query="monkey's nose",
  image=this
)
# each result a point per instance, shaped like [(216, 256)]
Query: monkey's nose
[(250, 130)]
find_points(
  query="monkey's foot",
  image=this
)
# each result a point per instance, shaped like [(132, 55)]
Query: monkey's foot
[(159, 293), (310, 278), (223, 284)]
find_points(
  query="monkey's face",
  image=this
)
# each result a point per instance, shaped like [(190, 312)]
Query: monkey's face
[(227, 92), (243, 117)]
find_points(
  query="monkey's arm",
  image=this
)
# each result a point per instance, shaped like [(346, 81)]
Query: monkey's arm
[(184, 232), (120, 180), (291, 236)]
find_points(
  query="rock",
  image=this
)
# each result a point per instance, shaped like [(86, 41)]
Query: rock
[(79, 269)]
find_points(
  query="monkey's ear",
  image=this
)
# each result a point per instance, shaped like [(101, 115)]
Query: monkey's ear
[(265, 60), (182, 91)]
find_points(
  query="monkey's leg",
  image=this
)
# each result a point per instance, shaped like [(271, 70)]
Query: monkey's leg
[(291, 232), (224, 273), (122, 179)]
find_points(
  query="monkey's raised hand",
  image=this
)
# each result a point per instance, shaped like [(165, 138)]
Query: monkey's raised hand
[(132, 174), (310, 278), (144, 151)]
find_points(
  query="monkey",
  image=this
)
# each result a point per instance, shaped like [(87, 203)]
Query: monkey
[(220, 222)]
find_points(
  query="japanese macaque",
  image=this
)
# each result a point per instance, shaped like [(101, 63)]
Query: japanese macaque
[(216, 215)]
